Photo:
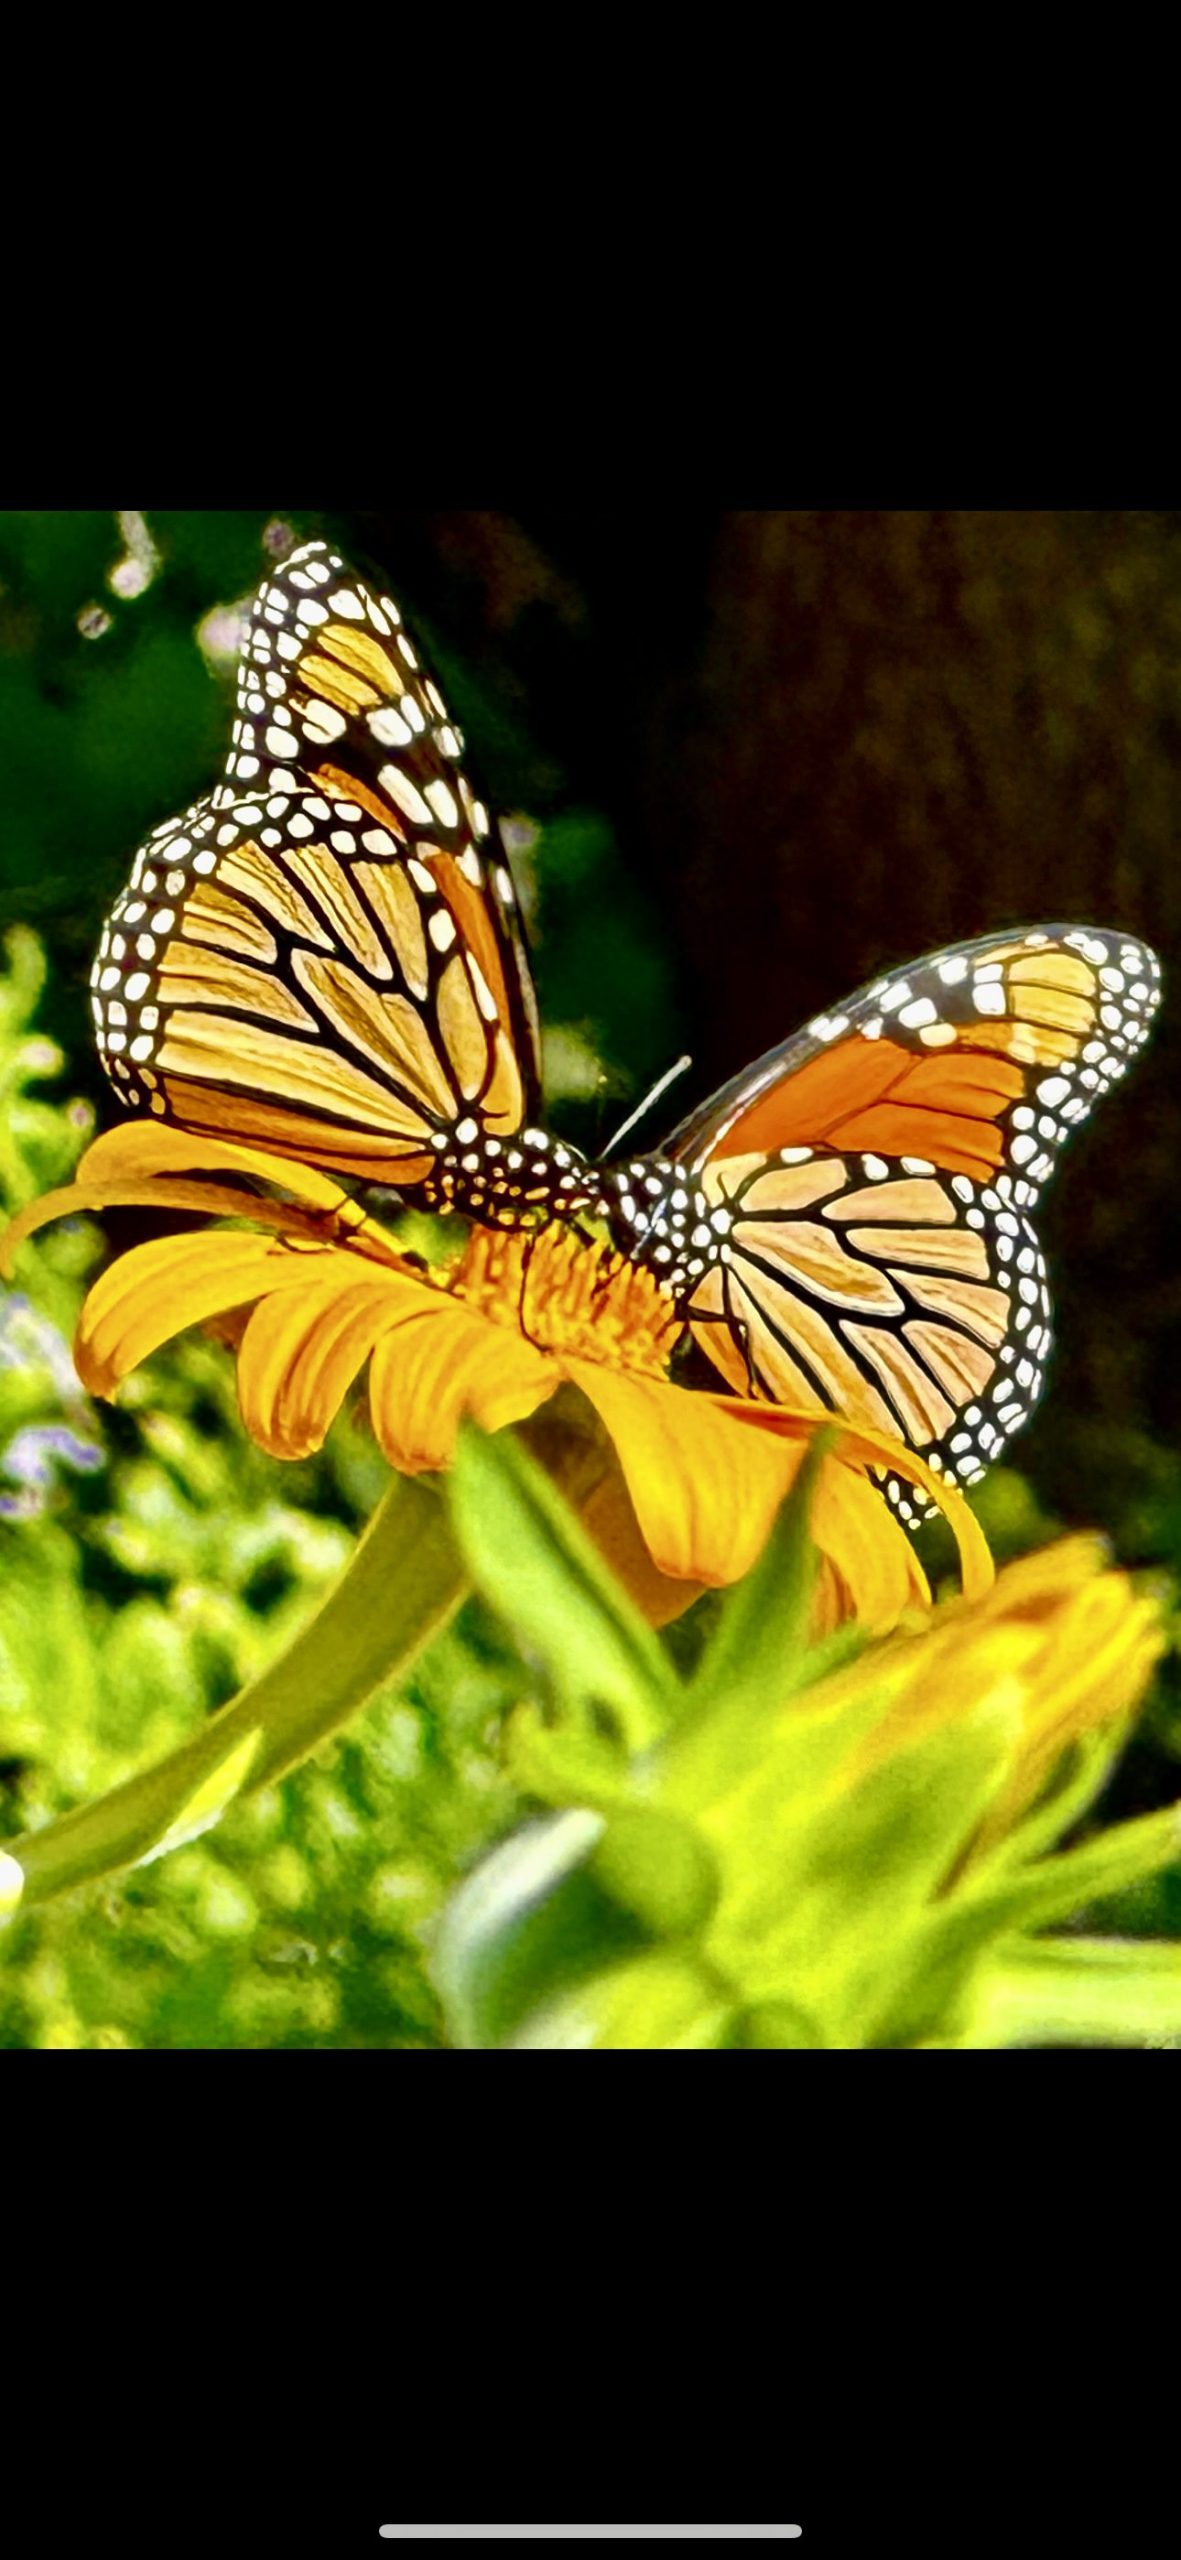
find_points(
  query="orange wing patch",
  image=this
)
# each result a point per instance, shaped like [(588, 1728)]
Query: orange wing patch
[(362, 656), (190, 975), (227, 925), (879, 1099), (348, 786), (372, 1155), (775, 1334), (812, 1256), (963, 1367), (308, 1074), (957, 1249), (400, 916), (918, 1196), (985, 1311), (924, 1413), (778, 1189), (250, 870), (386, 1029), (463, 895), (325, 881), (470, 911)]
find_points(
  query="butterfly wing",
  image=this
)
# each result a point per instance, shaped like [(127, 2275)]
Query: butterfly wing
[(324, 956), (873, 1184)]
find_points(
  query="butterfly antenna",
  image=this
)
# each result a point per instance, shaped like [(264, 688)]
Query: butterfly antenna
[(642, 1108)]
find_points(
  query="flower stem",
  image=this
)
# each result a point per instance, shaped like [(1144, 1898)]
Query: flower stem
[(403, 1582)]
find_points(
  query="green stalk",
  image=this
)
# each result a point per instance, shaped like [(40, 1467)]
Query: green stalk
[(404, 1581), (1078, 1991)]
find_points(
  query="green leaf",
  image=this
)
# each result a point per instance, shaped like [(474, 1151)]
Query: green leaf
[(551, 1913), (759, 1649), (658, 1868), (775, 2026), (934, 1978), (1080, 1991), (825, 1891), (528, 1554), (758, 1667), (657, 2003), (1074, 1786), (529, 1924), (1058, 1887), (566, 1766), (208, 1801), (398, 1590)]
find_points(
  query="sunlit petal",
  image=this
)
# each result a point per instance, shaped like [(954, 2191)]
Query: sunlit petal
[(861, 1445), (867, 1550), (439, 1362), (609, 1517), (159, 1289), (138, 1148), (705, 1495), (301, 1351), (1033, 1587), (1063, 1640)]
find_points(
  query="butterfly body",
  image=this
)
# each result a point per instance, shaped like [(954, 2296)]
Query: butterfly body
[(517, 1182), (323, 958)]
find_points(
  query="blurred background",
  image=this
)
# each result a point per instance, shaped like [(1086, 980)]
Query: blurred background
[(748, 758)]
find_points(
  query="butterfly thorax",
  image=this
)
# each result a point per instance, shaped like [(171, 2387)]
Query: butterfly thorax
[(515, 1181), (661, 1219)]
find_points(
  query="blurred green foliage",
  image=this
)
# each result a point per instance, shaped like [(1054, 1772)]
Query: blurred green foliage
[(150, 1558), (761, 1855)]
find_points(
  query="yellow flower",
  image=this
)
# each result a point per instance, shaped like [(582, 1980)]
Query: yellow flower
[(1063, 1640), (517, 1321)]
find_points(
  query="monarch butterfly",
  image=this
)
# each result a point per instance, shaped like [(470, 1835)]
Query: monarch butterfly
[(324, 957)]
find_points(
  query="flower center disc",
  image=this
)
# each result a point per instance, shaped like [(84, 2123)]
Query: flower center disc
[(580, 1300)]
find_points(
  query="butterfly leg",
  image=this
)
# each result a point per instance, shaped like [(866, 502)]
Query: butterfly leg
[(532, 1240)]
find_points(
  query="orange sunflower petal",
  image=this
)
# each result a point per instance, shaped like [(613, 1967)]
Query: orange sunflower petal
[(1032, 1588), (82, 1199), (705, 1496), (438, 1362), (300, 1353), (159, 1289), (608, 1515), (140, 1148), (706, 1488), (69, 1202), (865, 1548), (859, 1443), (86, 1199)]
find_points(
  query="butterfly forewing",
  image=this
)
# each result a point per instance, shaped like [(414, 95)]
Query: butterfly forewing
[(324, 957), (873, 1182)]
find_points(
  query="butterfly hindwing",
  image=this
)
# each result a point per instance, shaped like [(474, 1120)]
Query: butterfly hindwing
[(871, 1186), (324, 956), (881, 1291)]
